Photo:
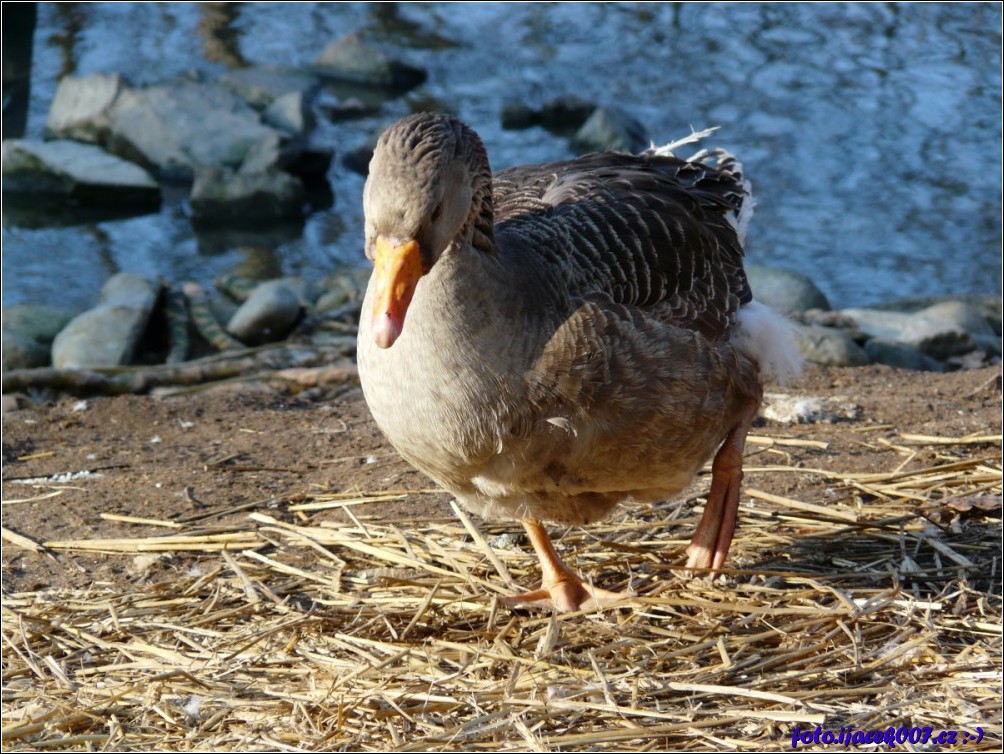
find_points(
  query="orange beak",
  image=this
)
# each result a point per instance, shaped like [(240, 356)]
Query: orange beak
[(397, 270)]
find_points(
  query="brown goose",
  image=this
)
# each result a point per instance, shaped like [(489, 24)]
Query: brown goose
[(556, 339)]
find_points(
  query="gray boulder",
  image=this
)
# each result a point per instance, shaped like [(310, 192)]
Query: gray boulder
[(173, 129), (182, 127), (343, 288), (989, 307), (938, 332), (268, 314), (69, 170), (974, 319), (901, 356), (355, 60), (296, 156), (611, 128), (784, 290), (270, 153), (562, 115), (829, 347), (260, 87), (109, 334), (346, 107), (28, 332), (253, 197), (177, 129), (82, 105), (290, 113), (260, 192), (24, 353)]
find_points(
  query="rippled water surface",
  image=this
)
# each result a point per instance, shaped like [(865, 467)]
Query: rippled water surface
[(872, 132)]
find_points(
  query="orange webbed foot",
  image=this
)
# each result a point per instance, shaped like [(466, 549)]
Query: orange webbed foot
[(561, 588)]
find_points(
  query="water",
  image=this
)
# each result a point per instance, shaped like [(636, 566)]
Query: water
[(872, 132)]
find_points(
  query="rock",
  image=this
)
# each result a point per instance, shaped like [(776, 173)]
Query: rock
[(944, 345), (808, 409), (226, 196), (173, 129), (343, 288), (935, 333), (40, 323), (308, 291), (563, 115), (972, 360), (974, 319), (993, 318), (507, 541), (784, 290), (290, 113), (516, 116), (611, 128), (878, 323), (311, 162), (829, 347), (181, 127), (69, 170), (240, 288), (358, 158), (827, 319), (222, 308), (109, 334), (989, 307), (266, 155), (28, 332), (352, 59), (296, 156), (24, 353), (268, 314), (81, 105), (963, 315), (901, 356), (338, 109), (567, 113), (260, 87), (176, 129), (15, 402)]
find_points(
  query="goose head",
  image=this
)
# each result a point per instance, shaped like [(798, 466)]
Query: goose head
[(428, 191)]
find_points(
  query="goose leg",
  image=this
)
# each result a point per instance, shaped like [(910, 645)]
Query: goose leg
[(561, 588), (710, 544)]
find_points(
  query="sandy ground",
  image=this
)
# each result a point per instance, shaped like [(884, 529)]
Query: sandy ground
[(73, 466)]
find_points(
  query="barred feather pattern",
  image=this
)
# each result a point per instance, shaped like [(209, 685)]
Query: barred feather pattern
[(653, 231)]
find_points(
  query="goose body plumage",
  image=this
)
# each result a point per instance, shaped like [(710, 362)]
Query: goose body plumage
[(556, 339)]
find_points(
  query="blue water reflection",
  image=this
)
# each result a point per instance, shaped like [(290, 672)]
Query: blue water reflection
[(872, 132)]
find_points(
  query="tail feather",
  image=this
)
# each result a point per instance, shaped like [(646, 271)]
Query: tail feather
[(768, 338), (741, 220)]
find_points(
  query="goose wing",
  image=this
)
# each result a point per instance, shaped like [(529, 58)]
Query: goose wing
[(648, 231)]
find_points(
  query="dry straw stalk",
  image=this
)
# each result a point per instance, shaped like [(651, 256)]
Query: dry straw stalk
[(878, 608)]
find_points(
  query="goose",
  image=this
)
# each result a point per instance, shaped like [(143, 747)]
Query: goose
[(553, 340)]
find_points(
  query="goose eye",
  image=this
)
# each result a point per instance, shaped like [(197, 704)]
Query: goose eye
[(437, 213)]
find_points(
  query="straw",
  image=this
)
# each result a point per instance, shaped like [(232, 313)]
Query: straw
[(297, 630)]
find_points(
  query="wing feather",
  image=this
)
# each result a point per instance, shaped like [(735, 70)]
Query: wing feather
[(650, 231)]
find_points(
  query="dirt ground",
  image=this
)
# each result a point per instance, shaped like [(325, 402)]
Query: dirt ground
[(73, 468), (272, 587)]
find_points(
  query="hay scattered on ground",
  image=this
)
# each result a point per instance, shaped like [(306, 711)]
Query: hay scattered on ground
[(875, 605)]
